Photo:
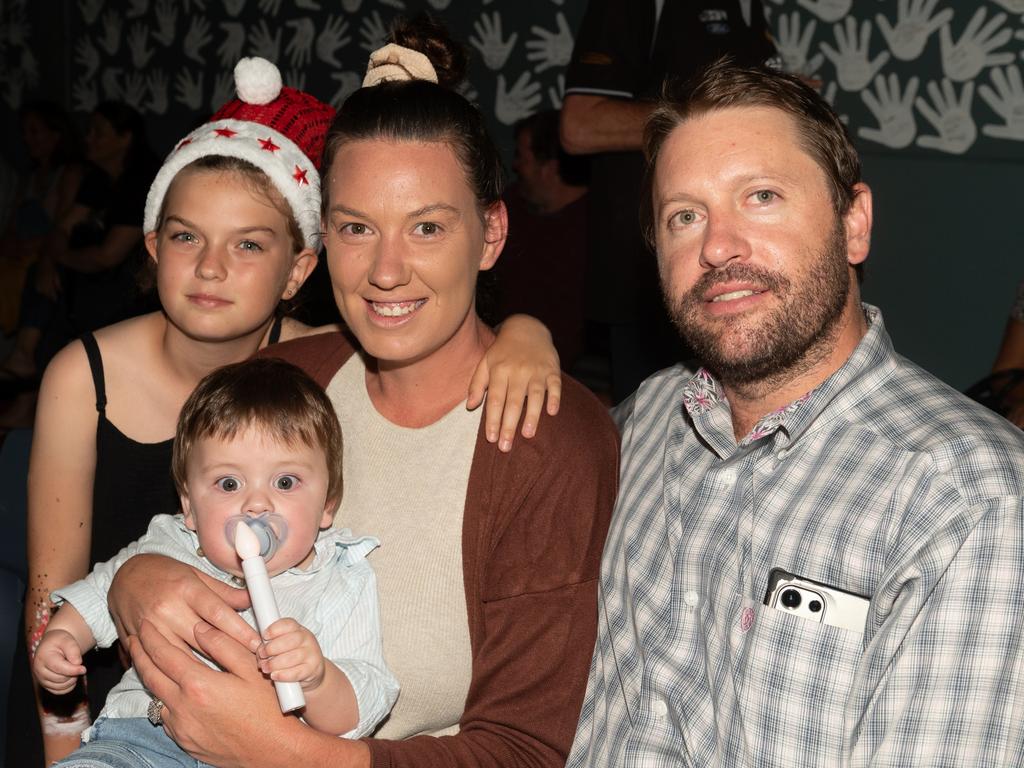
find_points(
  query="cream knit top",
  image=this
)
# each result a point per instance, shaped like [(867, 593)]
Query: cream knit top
[(407, 487)]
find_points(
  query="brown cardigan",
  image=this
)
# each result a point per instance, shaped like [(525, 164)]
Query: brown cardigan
[(533, 529)]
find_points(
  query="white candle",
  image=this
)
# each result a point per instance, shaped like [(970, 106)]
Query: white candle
[(264, 605)]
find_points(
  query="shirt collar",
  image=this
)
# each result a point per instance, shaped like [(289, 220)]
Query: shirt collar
[(865, 369)]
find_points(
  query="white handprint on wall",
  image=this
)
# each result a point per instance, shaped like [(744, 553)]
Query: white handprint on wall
[(550, 49), (488, 40), (332, 37), (373, 32), (234, 7), (110, 82), (196, 38), (518, 102), (138, 39), (137, 8), (188, 90), (1006, 98), (853, 70), (157, 84), (166, 21), (223, 90), (794, 44), (970, 54), (893, 111), (87, 57), (263, 44), (348, 83), (950, 116), (90, 10), (110, 40), (134, 90), (232, 44), (299, 48), (914, 25), (85, 95)]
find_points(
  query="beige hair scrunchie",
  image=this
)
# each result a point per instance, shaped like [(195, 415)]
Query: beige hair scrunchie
[(395, 62)]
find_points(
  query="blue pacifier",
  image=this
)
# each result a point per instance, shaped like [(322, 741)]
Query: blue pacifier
[(270, 528)]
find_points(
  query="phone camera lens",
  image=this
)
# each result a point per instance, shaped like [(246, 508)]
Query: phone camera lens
[(814, 605), (790, 598)]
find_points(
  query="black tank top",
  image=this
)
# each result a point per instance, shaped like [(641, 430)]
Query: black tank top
[(132, 481)]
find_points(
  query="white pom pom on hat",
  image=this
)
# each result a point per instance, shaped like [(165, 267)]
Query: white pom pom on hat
[(257, 80)]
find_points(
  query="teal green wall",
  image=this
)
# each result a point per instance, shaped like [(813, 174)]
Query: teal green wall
[(946, 257)]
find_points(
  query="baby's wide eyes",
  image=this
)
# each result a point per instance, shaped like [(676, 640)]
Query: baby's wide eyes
[(286, 482), (229, 484)]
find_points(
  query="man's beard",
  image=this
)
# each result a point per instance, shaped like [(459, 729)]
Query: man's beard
[(789, 339)]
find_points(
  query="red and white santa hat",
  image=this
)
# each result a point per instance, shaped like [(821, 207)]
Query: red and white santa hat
[(278, 129)]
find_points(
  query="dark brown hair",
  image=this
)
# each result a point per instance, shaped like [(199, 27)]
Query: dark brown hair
[(269, 395), (725, 84), (419, 110)]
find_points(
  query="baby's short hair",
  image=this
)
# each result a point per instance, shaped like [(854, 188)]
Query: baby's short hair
[(269, 395)]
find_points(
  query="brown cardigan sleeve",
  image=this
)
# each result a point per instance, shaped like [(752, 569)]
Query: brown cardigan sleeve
[(534, 527)]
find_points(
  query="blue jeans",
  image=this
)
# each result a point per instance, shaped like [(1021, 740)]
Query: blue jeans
[(128, 742)]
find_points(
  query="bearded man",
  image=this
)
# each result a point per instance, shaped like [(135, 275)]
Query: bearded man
[(817, 554)]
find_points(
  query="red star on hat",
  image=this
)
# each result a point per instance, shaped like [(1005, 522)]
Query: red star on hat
[(268, 145), (300, 176), (225, 132)]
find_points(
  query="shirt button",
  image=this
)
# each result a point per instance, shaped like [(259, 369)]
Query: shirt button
[(660, 709), (691, 598), (728, 476)]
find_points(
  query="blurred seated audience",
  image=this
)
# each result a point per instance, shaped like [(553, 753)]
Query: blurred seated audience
[(541, 271), (45, 194), (85, 276)]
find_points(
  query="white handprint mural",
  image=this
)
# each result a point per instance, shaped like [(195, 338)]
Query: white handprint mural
[(900, 89)]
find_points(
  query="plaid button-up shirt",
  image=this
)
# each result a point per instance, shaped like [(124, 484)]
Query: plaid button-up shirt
[(882, 482)]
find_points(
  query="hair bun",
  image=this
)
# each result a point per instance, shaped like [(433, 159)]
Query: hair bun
[(425, 34)]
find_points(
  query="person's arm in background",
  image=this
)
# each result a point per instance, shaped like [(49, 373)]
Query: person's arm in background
[(60, 484), (593, 123), (599, 113)]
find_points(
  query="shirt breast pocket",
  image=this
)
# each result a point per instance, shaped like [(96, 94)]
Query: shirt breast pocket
[(795, 688)]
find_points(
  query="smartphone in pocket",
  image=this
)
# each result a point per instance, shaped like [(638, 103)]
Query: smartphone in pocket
[(814, 601)]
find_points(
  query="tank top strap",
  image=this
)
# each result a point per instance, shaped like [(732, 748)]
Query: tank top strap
[(92, 349), (275, 331)]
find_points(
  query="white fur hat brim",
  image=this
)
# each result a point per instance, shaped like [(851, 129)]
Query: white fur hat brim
[(287, 167)]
